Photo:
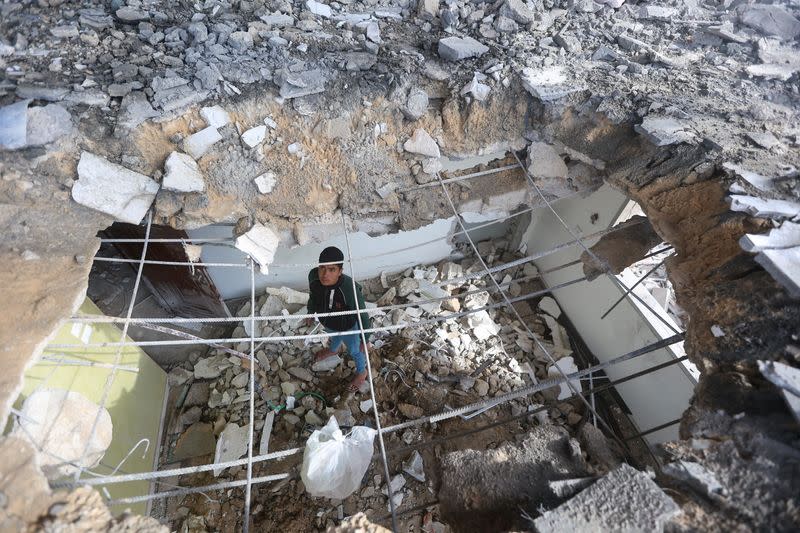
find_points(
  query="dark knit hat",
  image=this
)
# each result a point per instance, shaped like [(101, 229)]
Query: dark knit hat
[(331, 254)]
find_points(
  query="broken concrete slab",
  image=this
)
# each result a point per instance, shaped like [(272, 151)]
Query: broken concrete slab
[(548, 84), (484, 490), (764, 207), (459, 48), (482, 325), (260, 243), (181, 174), (199, 143), (624, 500), (422, 143), (60, 423), (215, 116), (773, 20), (787, 235), (545, 162), (14, 125), (567, 366), (663, 131), (196, 441), (784, 266), (47, 124), (113, 189), (616, 251), (298, 84), (211, 367), (697, 476), (231, 445)]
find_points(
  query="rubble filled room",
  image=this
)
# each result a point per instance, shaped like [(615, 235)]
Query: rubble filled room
[(400, 265)]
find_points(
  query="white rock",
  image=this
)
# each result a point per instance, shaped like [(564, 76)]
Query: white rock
[(785, 236), (266, 432), (232, 444), (550, 306), (478, 90), (415, 467), (289, 296), (458, 48), (422, 143), (567, 366), (260, 243), (194, 252), (482, 325), (365, 406), (182, 174), (254, 136), (241, 380), (545, 162), (59, 422), (266, 182), (112, 189), (717, 331), (548, 83), (663, 131), (14, 125), (301, 373), (211, 367), (432, 165), (319, 8), (199, 143), (326, 364), (215, 116)]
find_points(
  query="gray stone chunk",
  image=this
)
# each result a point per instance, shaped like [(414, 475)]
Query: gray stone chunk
[(624, 500), (300, 84), (517, 10), (134, 110), (695, 475), (130, 14), (663, 131), (35, 92), (278, 20), (47, 124), (240, 41), (416, 104), (64, 32), (771, 20), (356, 61), (14, 125), (548, 84), (458, 48)]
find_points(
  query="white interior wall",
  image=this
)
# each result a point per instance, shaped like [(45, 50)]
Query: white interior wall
[(390, 253), (653, 399)]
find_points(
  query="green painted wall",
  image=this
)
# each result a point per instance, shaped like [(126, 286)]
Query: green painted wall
[(135, 401)]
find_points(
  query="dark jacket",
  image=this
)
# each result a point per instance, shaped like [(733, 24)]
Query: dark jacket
[(338, 297)]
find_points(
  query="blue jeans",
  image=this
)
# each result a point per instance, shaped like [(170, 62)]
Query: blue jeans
[(353, 343)]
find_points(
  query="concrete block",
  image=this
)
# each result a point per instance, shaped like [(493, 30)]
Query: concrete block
[(199, 143), (112, 189), (182, 174), (624, 500), (260, 243), (422, 143), (458, 48)]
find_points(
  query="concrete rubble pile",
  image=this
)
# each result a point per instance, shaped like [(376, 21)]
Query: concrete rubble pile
[(441, 365)]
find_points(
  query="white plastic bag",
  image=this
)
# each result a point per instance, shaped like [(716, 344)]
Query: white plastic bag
[(333, 464)]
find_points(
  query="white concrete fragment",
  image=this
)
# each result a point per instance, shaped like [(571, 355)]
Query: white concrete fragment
[(14, 125), (266, 433), (766, 208), (47, 124), (548, 83), (254, 136), (479, 91), (231, 445), (458, 48), (199, 143), (319, 8), (482, 325), (414, 467), (663, 131), (260, 243), (422, 143), (786, 378), (59, 422), (717, 331), (182, 174), (756, 180), (567, 366), (784, 266), (785, 236), (327, 364), (112, 189), (772, 71), (550, 306), (266, 182), (215, 116), (365, 406), (544, 162), (289, 295)]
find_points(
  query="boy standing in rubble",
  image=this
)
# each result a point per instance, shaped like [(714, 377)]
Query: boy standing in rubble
[(331, 290)]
